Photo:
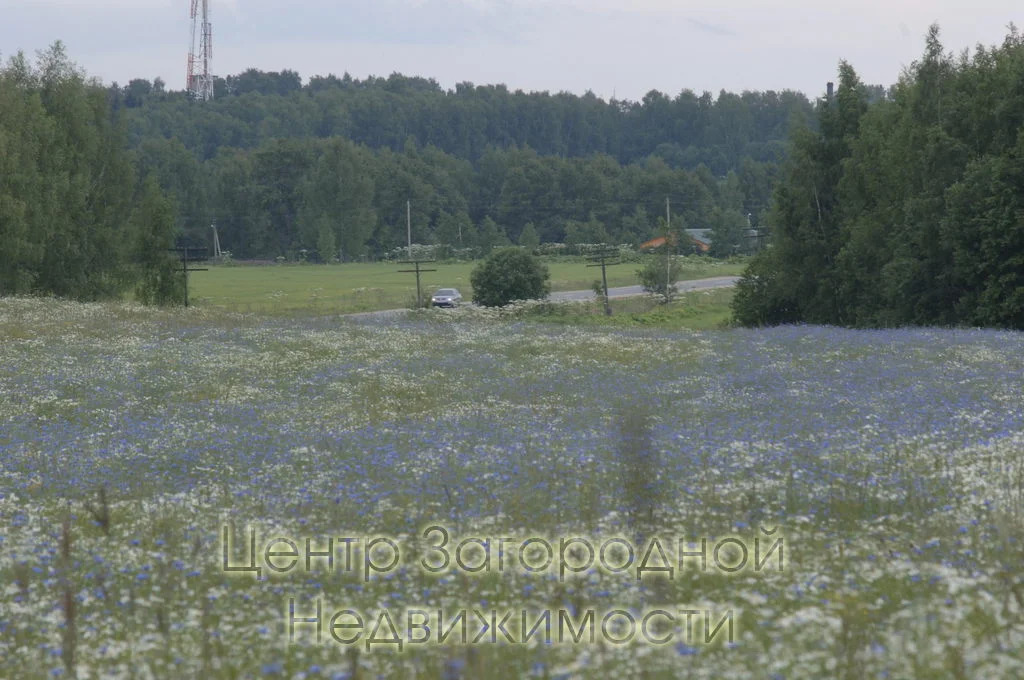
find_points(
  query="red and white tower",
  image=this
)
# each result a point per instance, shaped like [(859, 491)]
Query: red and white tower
[(200, 80)]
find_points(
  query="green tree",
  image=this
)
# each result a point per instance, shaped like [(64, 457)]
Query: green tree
[(336, 209), (757, 180), (590, 232), (636, 227), (659, 275), (160, 280), (759, 299), (907, 212), (23, 131), (181, 176), (455, 231), (728, 232), (661, 269), (490, 236), (529, 238), (509, 274), (985, 229), (243, 225), (808, 236), (326, 246), (279, 171), (66, 184)]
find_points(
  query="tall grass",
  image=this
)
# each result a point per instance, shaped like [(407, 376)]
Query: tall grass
[(889, 461)]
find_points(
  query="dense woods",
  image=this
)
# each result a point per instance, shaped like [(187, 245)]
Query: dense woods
[(67, 183), (686, 130), (906, 211), (324, 169)]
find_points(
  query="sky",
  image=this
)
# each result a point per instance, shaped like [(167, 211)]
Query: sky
[(620, 49)]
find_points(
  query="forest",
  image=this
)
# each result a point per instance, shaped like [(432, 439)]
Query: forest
[(904, 211), (325, 169)]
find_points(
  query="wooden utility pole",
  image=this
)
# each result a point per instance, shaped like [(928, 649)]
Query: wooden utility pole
[(408, 227), (602, 259), (668, 237), (417, 270), (188, 254)]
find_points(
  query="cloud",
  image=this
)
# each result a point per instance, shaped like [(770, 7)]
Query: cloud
[(385, 22), (710, 28)]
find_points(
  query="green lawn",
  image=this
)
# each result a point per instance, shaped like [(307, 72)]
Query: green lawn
[(368, 287)]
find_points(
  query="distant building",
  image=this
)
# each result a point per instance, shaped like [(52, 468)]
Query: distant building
[(700, 240), (653, 243)]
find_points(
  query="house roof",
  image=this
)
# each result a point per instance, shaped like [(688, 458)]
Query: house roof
[(699, 237), (653, 243)]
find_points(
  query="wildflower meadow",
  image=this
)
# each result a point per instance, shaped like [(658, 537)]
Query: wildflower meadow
[(148, 456)]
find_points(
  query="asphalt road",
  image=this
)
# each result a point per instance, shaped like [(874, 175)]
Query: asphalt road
[(565, 295), (630, 291)]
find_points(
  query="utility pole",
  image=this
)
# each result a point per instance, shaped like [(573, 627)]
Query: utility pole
[(188, 254), (601, 259), (408, 226), (419, 295), (668, 237)]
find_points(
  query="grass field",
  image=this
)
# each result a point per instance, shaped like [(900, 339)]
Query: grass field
[(695, 310), (368, 287), (702, 310), (890, 463)]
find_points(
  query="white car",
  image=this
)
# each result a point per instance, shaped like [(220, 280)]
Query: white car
[(446, 297)]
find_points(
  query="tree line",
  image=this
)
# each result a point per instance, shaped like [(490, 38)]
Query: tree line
[(909, 210), (76, 219), (687, 130), (335, 168), (343, 200)]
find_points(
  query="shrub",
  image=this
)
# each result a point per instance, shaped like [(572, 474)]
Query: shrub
[(759, 298), (659, 277), (509, 274)]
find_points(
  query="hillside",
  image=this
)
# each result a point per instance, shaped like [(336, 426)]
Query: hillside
[(328, 166)]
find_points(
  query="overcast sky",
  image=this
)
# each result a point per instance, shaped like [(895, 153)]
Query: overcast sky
[(623, 48)]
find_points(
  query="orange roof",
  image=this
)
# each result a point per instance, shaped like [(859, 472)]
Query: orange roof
[(653, 243), (658, 242)]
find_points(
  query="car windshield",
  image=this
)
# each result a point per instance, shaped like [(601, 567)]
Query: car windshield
[(447, 291)]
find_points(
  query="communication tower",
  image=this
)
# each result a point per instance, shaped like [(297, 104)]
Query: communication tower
[(200, 80)]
